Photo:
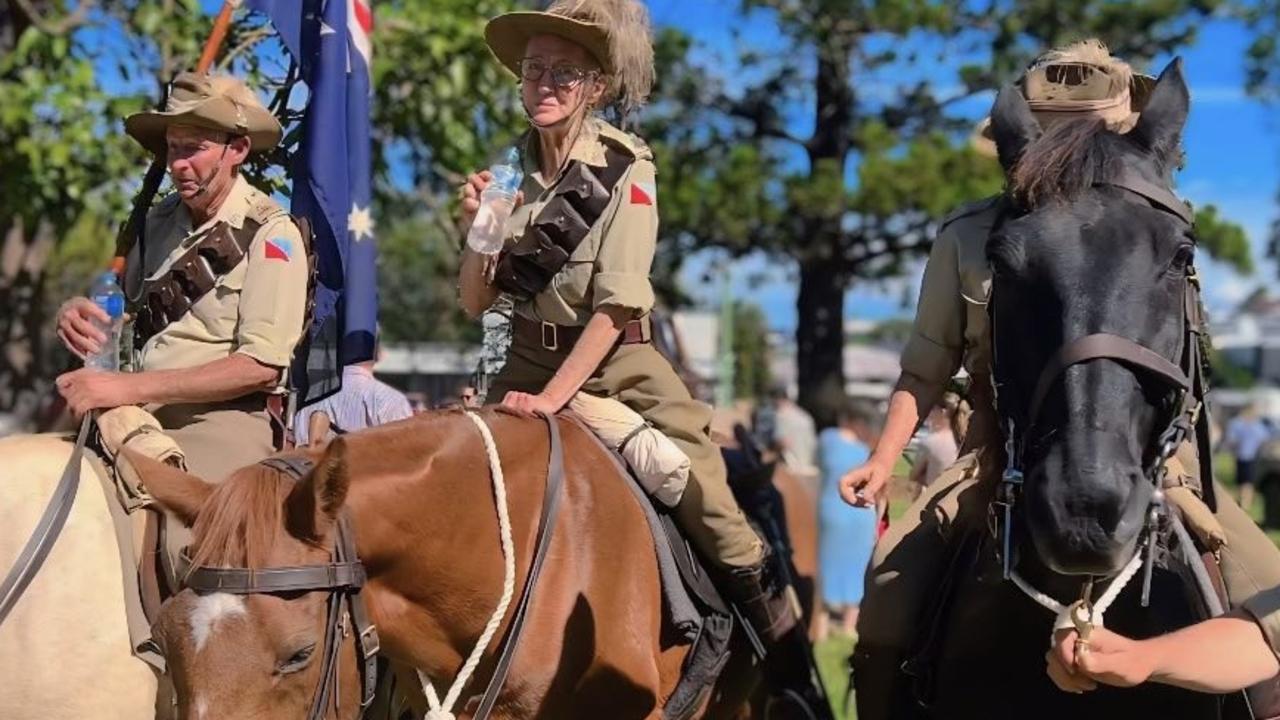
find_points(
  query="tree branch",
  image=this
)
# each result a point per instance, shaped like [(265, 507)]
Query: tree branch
[(247, 43), (75, 20)]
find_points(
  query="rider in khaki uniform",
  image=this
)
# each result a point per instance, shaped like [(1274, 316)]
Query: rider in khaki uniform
[(950, 332), (217, 289), (584, 324)]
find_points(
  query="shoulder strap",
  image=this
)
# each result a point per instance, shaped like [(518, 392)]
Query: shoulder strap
[(577, 203)]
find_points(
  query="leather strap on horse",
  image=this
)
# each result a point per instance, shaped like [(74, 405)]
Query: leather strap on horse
[(1103, 345), (546, 524), (50, 525), (578, 201), (343, 578)]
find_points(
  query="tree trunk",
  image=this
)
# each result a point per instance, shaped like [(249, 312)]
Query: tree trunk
[(820, 330), (25, 390), (820, 340)]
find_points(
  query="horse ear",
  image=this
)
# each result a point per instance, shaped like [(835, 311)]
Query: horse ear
[(178, 492), (1013, 125), (1159, 127), (313, 506)]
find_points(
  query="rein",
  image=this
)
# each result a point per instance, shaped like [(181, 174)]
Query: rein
[(47, 529), (1185, 381)]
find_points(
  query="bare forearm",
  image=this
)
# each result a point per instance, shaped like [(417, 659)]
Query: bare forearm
[(224, 379), (1221, 655), (597, 340), (474, 290), (907, 406)]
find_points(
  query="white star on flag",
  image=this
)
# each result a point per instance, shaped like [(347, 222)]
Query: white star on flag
[(359, 223)]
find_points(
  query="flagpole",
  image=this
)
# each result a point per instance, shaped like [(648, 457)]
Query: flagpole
[(155, 173)]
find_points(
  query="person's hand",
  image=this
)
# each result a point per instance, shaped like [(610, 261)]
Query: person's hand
[(865, 484), (1106, 658), (471, 190), (532, 404), (76, 326), (86, 389)]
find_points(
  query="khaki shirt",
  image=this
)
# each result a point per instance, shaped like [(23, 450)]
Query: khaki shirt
[(950, 329), (256, 309), (1265, 609), (611, 266)]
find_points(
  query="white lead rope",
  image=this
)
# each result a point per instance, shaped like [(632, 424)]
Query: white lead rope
[(443, 710), (1063, 619)]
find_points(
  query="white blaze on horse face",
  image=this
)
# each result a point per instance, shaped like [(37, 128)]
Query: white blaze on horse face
[(208, 610), (202, 708)]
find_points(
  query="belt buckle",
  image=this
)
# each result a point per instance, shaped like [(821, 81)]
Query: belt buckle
[(549, 329)]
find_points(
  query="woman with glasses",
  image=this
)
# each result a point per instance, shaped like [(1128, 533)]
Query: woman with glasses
[(576, 263)]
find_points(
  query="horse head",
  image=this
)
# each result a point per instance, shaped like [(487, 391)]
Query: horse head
[(1091, 246), (246, 654)]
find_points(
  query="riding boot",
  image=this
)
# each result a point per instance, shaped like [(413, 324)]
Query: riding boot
[(790, 672)]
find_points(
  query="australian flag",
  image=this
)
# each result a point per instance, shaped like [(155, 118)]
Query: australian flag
[(331, 40)]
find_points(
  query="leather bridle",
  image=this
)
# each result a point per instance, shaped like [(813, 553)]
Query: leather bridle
[(1184, 380), (343, 577)]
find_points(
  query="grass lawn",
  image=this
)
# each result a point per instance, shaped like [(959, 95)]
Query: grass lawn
[(833, 655)]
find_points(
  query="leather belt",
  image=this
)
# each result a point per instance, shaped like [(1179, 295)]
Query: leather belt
[(562, 338)]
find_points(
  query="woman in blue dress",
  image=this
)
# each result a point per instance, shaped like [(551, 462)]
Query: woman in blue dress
[(846, 534)]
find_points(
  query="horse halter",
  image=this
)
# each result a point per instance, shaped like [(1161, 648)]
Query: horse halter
[(1184, 381), (344, 578)]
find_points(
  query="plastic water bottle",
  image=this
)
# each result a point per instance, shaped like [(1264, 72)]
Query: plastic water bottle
[(496, 203), (108, 296)]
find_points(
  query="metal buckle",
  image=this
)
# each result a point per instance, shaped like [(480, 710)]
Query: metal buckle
[(554, 344), (370, 642)]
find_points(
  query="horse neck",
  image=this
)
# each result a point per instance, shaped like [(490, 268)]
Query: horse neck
[(427, 530)]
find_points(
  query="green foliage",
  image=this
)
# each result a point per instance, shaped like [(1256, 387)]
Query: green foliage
[(443, 108), (750, 352), (416, 264), (441, 100), (1223, 240)]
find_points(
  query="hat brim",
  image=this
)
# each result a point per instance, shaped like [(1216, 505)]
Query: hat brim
[(149, 127), (508, 36), (1140, 87)]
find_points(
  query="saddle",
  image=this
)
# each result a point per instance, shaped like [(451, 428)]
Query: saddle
[(693, 605)]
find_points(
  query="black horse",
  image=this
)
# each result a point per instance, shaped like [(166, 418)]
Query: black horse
[(1092, 266)]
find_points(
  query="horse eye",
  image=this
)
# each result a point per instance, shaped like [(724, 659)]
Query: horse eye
[(1183, 257), (297, 661)]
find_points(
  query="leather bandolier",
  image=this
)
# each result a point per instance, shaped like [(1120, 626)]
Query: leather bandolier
[(577, 203), (192, 275)]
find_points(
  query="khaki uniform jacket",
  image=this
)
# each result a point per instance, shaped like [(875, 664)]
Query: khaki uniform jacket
[(611, 266), (256, 309)]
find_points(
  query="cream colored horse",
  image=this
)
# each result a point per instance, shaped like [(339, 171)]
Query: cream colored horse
[(64, 649)]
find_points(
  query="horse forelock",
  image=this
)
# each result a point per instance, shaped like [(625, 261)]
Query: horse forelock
[(241, 520), (1064, 161)]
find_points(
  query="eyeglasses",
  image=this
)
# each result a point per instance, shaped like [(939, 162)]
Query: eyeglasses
[(563, 76)]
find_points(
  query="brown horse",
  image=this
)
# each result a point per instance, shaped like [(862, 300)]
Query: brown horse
[(419, 498)]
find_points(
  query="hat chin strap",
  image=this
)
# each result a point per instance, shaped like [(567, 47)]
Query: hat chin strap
[(203, 187)]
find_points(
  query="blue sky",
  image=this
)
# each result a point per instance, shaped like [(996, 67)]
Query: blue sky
[(1232, 142)]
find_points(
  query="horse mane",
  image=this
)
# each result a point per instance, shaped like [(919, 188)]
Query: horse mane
[(1063, 162), (241, 519)]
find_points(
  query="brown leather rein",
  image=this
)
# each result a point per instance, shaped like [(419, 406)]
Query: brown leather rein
[(343, 577)]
